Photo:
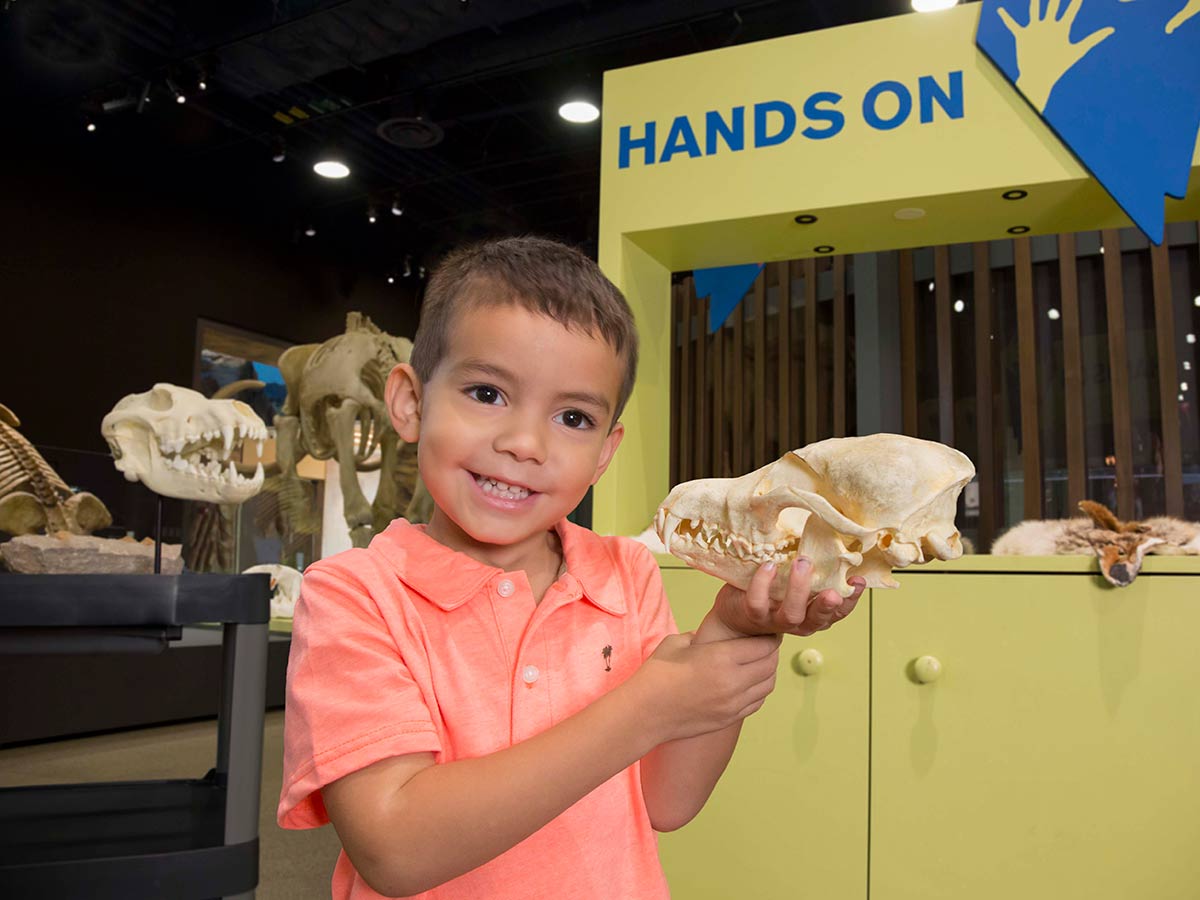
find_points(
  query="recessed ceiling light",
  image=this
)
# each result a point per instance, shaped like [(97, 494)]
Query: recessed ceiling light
[(959, 306), (932, 5), (909, 212), (331, 168), (1053, 313), (579, 111), (1196, 300)]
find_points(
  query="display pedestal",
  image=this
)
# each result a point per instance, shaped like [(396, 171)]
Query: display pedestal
[(176, 840)]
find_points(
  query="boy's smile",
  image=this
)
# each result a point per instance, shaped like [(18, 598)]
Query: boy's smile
[(513, 429)]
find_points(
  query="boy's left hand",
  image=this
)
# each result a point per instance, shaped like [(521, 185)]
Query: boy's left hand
[(752, 611)]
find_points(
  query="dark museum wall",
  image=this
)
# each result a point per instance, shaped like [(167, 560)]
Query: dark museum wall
[(103, 277), (102, 283)]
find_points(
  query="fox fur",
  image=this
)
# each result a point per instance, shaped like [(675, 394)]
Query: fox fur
[(1119, 546)]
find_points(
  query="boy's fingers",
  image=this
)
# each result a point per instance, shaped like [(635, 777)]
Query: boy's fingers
[(795, 604), (751, 649), (758, 593)]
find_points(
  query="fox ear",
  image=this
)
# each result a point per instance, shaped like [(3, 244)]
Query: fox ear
[(1101, 515)]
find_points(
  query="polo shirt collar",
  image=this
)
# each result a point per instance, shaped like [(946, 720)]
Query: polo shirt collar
[(448, 578)]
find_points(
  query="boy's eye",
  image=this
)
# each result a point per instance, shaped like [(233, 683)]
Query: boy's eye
[(484, 393), (575, 418)]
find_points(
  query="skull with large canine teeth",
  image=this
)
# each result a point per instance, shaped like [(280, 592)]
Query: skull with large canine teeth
[(181, 444), (854, 506)]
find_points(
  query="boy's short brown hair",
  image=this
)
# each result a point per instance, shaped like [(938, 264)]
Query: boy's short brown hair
[(540, 275)]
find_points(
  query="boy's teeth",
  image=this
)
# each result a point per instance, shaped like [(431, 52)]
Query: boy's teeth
[(500, 489)]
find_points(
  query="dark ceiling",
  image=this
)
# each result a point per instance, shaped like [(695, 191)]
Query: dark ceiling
[(479, 82)]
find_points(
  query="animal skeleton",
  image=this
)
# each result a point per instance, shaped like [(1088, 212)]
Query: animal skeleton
[(182, 444), (32, 495), (334, 390), (853, 506)]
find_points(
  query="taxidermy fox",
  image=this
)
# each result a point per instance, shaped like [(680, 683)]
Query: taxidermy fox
[(1119, 546)]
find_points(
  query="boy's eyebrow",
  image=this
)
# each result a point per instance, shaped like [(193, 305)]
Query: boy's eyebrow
[(478, 366)]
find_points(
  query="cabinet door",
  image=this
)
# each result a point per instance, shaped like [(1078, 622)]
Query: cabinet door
[(789, 817), (1058, 753)]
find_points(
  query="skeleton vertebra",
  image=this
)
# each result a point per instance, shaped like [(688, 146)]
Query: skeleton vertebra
[(854, 506), (33, 497), (181, 444)]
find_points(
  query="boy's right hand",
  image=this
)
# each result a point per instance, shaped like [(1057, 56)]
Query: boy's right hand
[(694, 688)]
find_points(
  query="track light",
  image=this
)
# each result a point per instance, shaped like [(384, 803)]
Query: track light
[(179, 97), (278, 150), (407, 266), (420, 271), (371, 214), (144, 98), (310, 230), (397, 209), (88, 123), (391, 278)]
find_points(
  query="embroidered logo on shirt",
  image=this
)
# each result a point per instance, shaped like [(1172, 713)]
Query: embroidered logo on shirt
[(607, 651)]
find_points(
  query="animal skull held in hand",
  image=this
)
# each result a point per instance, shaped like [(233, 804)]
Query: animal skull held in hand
[(181, 444), (856, 506)]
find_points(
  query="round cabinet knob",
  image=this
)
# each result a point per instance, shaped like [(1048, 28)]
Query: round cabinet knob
[(808, 662), (927, 669)]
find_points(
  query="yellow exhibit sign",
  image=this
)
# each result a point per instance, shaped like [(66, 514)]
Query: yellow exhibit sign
[(893, 133)]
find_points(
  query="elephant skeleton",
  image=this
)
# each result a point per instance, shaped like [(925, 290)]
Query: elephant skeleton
[(335, 410)]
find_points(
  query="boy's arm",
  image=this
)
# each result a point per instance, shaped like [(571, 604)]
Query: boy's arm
[(679, 776), (408, 825)]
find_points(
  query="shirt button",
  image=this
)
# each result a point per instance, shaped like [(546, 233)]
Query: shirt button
[(505, 588), (530, 674)]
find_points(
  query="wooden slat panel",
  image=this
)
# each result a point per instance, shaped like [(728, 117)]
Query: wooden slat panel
[(760, 370), (796, 370), (945, 357), (676, 361), (739, 392), (1031, 450), (700, 353), (1118, 367), (784, 280), (839, 346), (718, 408), (1072, 374), (687, 380), (1164, 330), (908, 345), (811, 370), (989, 493)]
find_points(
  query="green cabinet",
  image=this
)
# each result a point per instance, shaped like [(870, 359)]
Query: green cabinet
[(1047, 746)]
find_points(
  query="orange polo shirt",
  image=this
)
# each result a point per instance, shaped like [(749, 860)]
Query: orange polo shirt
[(408, 646)]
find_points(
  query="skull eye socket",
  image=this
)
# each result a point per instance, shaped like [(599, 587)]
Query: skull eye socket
[(160, 400)]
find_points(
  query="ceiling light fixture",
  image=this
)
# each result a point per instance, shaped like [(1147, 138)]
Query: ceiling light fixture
[(144, 97), (579, 112), (407, 266), (391, 278), (331, 168), (397, 209), (91, 126), (278, 149), (371, 214), (932, 5), (179, 97), (1053, 313), (310, 230), (959, 306)]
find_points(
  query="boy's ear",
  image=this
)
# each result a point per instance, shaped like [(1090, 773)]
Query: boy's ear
[(611, 443), (403, 399)]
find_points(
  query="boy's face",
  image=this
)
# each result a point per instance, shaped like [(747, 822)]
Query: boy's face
[(513, 425)]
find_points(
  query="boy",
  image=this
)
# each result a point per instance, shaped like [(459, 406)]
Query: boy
[(496, 705)]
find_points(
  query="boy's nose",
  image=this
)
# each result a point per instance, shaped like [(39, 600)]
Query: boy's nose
[(522, 440)]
